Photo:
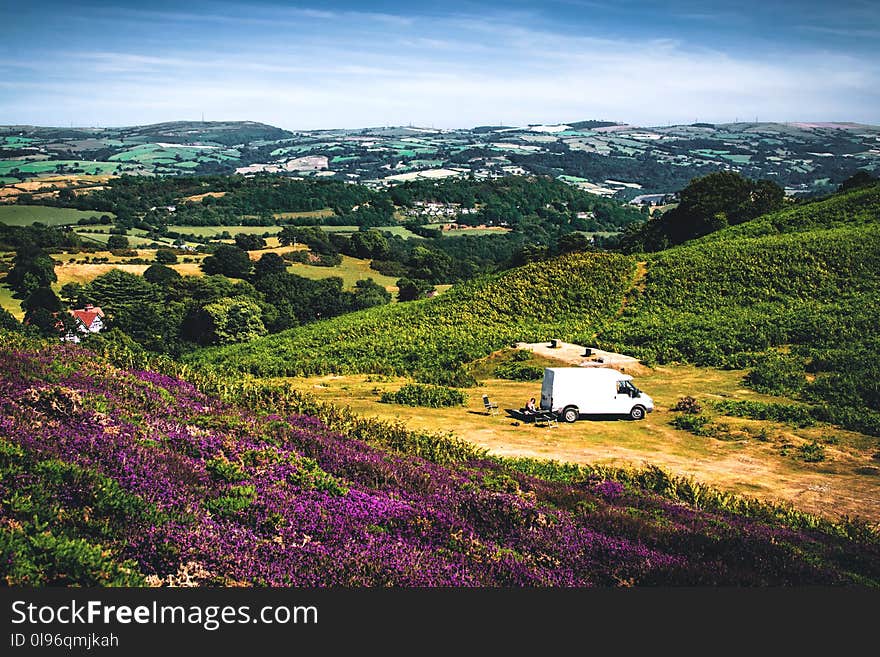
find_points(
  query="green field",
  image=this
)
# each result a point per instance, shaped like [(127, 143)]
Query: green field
[(50, 166), (10, 304), (25, 215), (458, 232), (350, 271), (402, 231), (213, 231)]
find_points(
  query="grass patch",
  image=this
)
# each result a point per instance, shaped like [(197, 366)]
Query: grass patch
[(25, 215), (350, 271)]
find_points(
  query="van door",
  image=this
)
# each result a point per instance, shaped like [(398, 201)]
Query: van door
[(547, 391), (623, 401)]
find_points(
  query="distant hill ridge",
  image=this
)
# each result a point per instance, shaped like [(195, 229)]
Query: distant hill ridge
[(608, 158)]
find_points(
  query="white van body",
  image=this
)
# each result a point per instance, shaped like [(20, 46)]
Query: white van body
[(570, 392)]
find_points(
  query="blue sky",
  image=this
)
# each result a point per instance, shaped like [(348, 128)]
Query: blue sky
[(448, 64)]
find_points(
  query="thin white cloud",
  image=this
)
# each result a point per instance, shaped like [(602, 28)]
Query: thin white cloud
[(450, 72)]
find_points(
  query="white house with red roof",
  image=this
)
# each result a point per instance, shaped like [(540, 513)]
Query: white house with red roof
[(89, 319)]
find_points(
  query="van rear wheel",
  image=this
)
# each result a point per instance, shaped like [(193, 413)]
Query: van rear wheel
[(571, 414), (637, 413)]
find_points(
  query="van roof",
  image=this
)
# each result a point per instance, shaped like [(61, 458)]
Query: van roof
[(598, 372)]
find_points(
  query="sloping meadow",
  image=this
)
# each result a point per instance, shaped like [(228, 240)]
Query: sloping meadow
[(432, 339), (793, 296), (128, 477)]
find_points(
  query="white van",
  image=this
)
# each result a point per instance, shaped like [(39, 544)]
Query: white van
[(570, 392)]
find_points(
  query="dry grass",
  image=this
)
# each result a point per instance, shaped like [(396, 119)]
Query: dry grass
[(350, 271), (78, 272), (36, 185), (745, 465), (323, 212), (196, 198)]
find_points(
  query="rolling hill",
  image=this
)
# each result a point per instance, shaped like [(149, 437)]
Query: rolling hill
[(801, 307), (601, 157)]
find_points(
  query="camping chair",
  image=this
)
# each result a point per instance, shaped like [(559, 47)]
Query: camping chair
[(491, 407), (546, 419)]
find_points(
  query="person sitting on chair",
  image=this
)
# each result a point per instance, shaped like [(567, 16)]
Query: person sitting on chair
[(531, 408)]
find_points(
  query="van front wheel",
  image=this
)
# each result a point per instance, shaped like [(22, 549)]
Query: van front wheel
[(570, 414), (637, 413)]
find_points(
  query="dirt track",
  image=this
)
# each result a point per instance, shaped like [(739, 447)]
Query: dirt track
[(574, 354)]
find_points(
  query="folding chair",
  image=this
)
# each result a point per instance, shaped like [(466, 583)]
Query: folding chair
[(491, 407)]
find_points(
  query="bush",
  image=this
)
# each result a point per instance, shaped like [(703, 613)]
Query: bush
[(778, 374), (166, 256), (519, 372), (415, 394), (699, 425), (688, 405), (812, 452), (799, 416)]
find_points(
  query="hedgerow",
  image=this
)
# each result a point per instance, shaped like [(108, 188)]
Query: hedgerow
[(414, 394)]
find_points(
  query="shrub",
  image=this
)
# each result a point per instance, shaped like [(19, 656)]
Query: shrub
[(414, 394), (699, 425), (778, 374), (519, 372), (688, 405), (812, 452), (794, 414)]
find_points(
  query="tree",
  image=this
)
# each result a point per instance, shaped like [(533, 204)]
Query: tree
[(8, 321), (268, 264), (410, 289), (860, 178), (166, 256), (229, 261), (369, 244), (367, 293), (42, 310), (32, 268), (118, 291), (161, 275), (247, 242), (288, 236), (115, 242), (71, 292), (42, 297), (234, 320), (571, 242), (708, 204)]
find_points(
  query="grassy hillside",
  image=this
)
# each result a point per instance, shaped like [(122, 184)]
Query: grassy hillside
[(130, 477), (708, 301), (433, 338), (799, 305), (25, 215), (858, 207)]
